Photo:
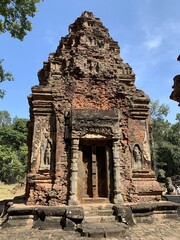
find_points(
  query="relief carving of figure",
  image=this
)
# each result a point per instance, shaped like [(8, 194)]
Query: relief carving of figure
[(47, 158), (45, 152), (137, 157)]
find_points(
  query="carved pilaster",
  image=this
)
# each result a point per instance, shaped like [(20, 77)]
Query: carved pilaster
[(116, 169), (74, 172)]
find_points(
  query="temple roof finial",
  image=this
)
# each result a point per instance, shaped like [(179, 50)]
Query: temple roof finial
[(87, 14)]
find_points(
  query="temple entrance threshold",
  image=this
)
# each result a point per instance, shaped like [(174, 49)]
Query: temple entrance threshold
[(95, 181)]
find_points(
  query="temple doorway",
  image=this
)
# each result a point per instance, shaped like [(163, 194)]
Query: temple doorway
[(95, 170)]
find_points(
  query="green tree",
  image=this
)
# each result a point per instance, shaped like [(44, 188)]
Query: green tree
[(14, 18), (158, 112), (12, 169), (166, 141), (4, 76), (5, 118), (13, 149)]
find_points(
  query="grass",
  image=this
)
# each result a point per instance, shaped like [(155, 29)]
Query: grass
[(9, 191)]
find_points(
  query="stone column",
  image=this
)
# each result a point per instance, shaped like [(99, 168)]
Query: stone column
[(116, 169), (74, 172)]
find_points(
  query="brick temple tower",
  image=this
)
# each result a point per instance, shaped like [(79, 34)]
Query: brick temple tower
[(89, 125), (175, 95)]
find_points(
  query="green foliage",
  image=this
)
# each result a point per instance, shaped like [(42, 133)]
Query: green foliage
[(14, 18), (13, 148), (158, 112), (166, 139), (4, 76), (178, 117), (12, 169), (5, 118)]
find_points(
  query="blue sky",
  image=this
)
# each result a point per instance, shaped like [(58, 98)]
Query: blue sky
[(148, 32)]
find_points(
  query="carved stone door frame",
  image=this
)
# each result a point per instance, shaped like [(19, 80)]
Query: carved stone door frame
[(73, 196)]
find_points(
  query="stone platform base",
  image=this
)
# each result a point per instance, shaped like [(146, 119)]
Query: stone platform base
[(172, 198), (96, 220), (157, 211), (147, 188), (104, 230)]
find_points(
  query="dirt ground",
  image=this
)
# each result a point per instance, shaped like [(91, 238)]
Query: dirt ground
[(9, 191)]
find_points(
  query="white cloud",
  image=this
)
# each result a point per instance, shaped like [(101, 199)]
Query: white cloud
[(165, 33), (154, 42), (172, 27), (154, 37)]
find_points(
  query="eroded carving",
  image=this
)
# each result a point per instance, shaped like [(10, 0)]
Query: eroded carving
[(170, 187), (45, 154), (137, 157), (42, 144)]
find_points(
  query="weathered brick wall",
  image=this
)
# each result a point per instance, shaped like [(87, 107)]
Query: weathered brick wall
[(85, 72)]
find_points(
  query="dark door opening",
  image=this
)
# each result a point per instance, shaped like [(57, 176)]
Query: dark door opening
[(94, 169), (101, 171)]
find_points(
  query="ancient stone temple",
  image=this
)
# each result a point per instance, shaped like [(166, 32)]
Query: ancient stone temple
[(89, 125), (175, 95)]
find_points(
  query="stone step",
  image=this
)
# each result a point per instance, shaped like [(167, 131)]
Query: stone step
[(97, 207), (95, 200), (98, 219), (105, 212), (103, 230), (19, 221)]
